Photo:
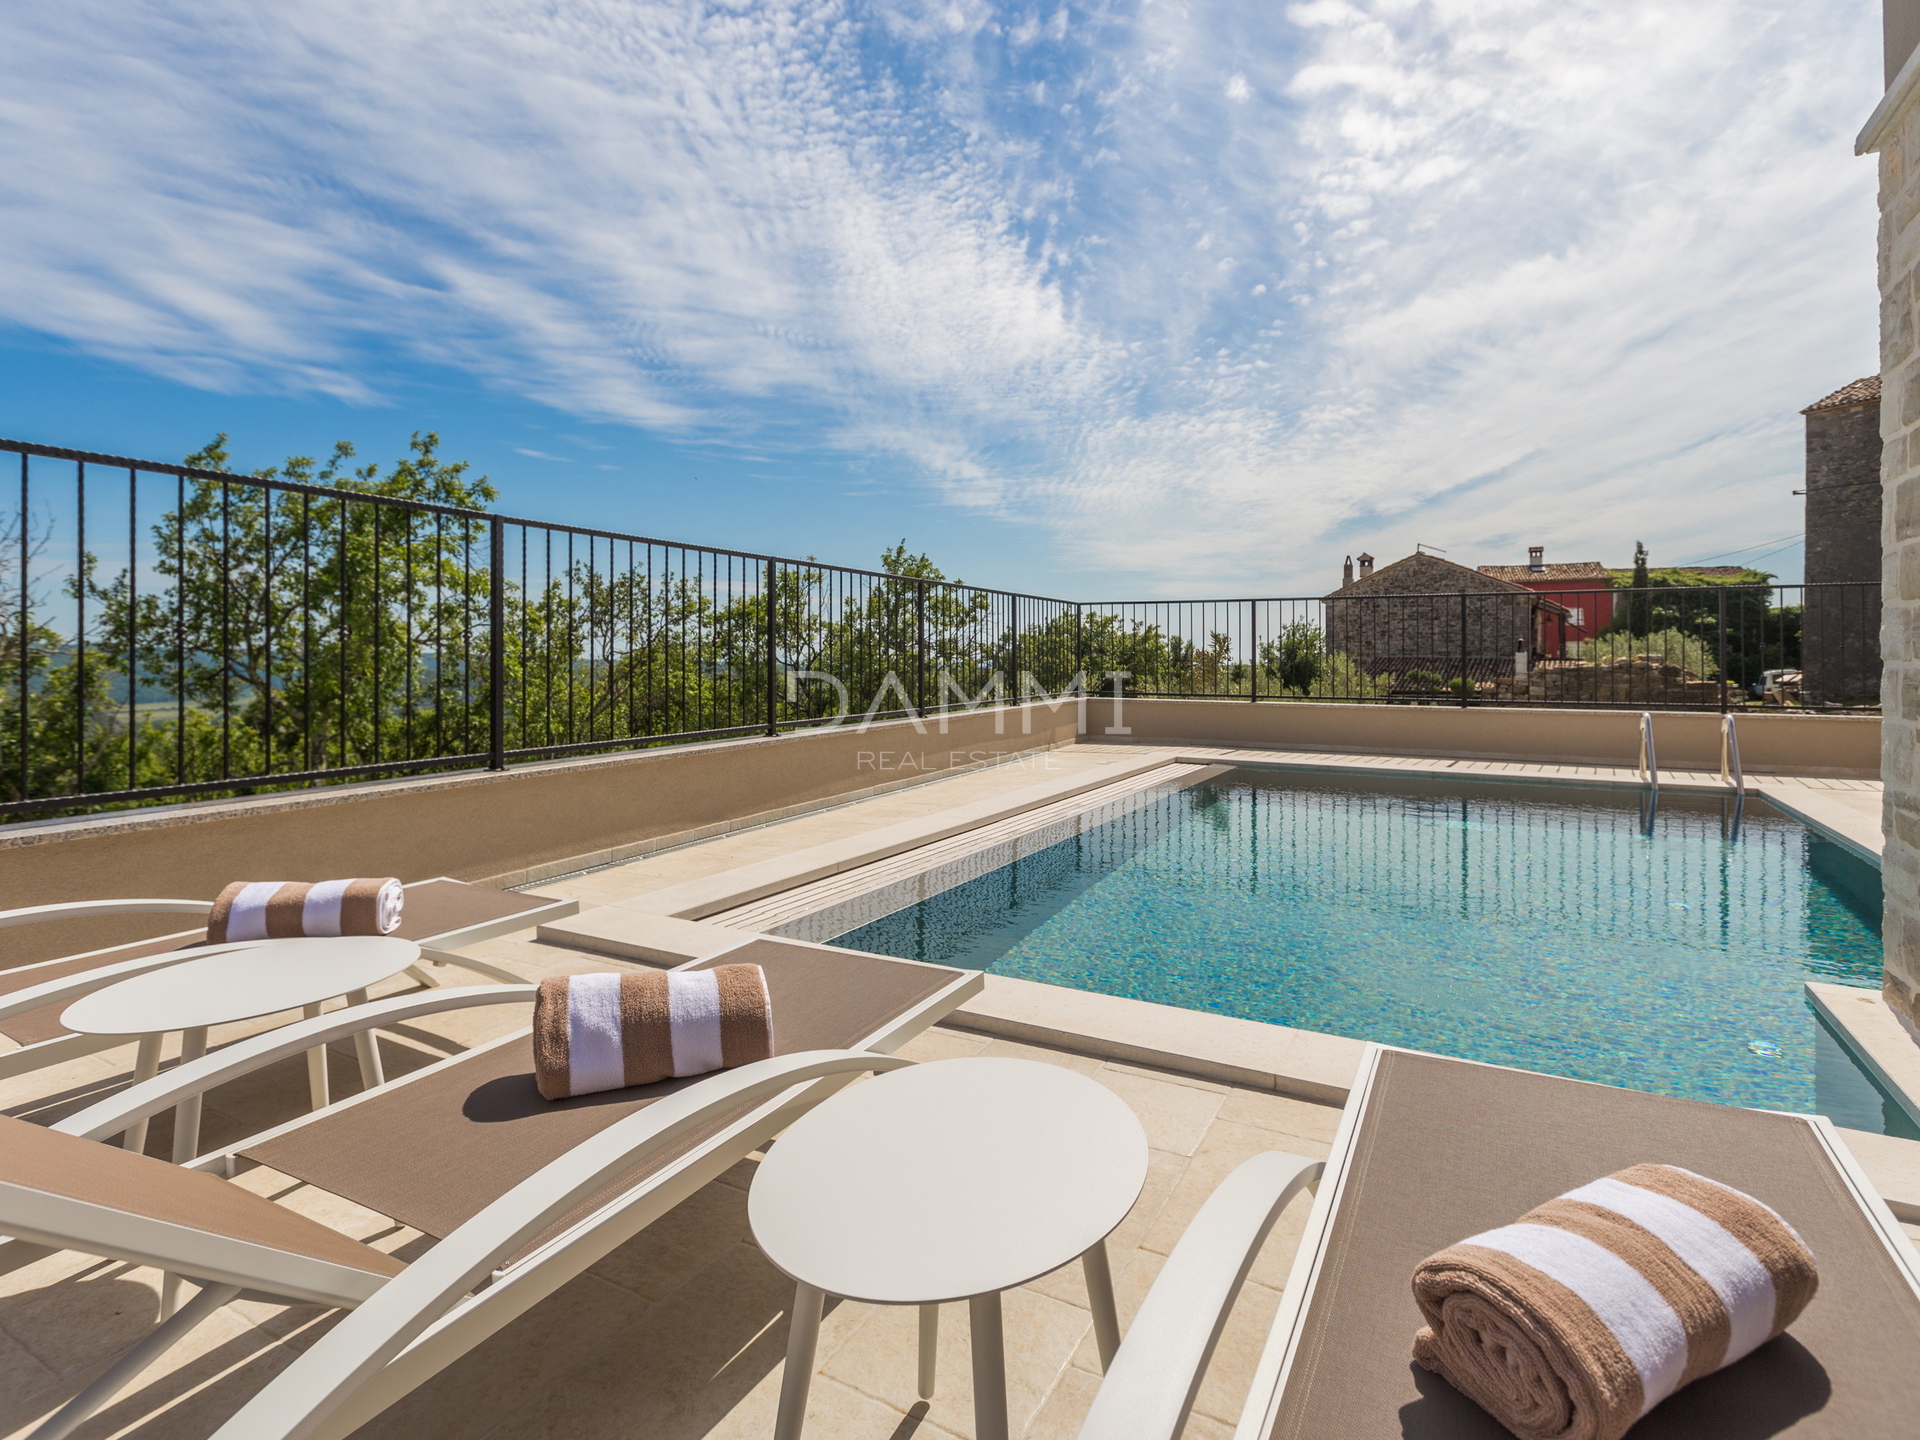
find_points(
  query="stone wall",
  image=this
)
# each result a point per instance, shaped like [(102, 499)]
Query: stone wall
[(1417, 628), (1840, 629), (1898, 144), (1649, 680)]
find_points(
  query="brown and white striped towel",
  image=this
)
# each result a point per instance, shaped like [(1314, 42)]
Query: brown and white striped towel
[(1573, 1322), (602, 1032), (287, 909)]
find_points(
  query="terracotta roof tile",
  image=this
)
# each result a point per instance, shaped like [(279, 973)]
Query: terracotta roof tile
[(1573, 570), (1864, 391)]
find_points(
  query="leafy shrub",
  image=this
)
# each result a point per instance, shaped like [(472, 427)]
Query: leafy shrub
[(1673, 647)]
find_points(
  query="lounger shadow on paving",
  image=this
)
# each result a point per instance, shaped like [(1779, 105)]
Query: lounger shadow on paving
[(1432, 1150), (520, 1193), (440, 915)]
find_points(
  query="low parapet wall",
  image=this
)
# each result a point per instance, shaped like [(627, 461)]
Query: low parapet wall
[(1841, 746), (509, 827)]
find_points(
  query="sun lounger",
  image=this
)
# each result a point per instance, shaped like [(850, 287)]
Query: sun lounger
[(440, 916), (1431, 1151), (521, 1194)]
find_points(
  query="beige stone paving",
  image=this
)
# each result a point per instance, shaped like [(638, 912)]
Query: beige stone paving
[(679, 1333), (711, 857)]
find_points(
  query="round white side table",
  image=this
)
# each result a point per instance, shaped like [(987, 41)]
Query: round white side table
[(948, 1181), (240, 981)]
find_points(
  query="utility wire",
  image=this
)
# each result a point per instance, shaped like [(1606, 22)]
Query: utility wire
[(1783, 541)]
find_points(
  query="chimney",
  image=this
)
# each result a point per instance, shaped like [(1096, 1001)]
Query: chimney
[(1537, 559), (1346, 573), (1366, 566)]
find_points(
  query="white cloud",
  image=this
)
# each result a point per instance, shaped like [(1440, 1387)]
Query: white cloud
[(1548, 270)]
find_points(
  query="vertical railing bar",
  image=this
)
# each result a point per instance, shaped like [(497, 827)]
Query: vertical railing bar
[(572, 730), (653, 630), (80, 643), (1013, 609), (526, 619), (633, 628), (133, 609), (497, 645), (773, 651), (378, 698), (682, 648), (546, 636), (439, 638), (346, 628), (406, 652), (308, 760), (467, 736), (1463, 649), (266, 616), (26, 635)]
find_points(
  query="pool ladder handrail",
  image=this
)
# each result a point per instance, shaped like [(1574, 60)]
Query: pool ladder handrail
[(1649, 768), (1730, 756)]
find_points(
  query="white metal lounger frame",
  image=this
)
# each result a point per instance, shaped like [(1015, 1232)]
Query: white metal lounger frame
[(410, 1327), (1153, 1381), (61, 1048)]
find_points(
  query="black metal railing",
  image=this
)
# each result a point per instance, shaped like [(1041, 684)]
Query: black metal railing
[(1707, 646), (169, 632)]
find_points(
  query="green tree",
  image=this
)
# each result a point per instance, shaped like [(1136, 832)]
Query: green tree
[(1295, 657), (304, 633), (1640, 604)]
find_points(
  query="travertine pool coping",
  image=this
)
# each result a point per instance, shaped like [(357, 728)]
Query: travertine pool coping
[(1879, 1039), (945, 862), (707, 896), (1301, 1063), (1845, 811)]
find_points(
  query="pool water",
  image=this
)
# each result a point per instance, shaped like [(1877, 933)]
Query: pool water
[(1549, 927)]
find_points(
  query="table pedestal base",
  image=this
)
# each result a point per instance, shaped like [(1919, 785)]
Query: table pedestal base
[(366, 1049), (989, 1368), (146, 1065), (988, 1347)]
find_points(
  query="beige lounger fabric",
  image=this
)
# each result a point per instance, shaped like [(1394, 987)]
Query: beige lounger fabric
[(288, 909), (1447, 1149), (116, 1179), (1581, 1316), (432, 1152)]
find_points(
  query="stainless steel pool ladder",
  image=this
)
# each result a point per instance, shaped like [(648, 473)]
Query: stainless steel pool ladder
[(1649, 765), (1730, 755)]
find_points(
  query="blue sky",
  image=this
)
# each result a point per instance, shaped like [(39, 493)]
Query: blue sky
[(1095, 300)]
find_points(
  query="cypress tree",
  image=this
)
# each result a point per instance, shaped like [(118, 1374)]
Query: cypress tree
[(1640, 606)]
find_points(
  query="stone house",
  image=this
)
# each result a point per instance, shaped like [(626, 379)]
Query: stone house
[(1427, 613), (1840, 624)]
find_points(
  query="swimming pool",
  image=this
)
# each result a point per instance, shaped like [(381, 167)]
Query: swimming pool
[(1550, 927)]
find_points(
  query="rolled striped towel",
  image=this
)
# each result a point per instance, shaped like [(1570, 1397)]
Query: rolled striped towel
[(603, 1032), (287, 909), (1573, 1322)]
